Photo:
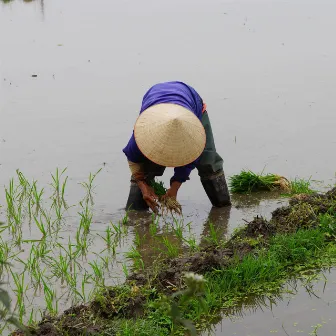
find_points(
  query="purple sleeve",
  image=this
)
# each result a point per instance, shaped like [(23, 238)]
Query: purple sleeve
[(181, 174), (133, 152)]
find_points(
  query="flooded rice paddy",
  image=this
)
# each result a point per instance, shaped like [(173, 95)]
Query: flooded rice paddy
[(72, 76)]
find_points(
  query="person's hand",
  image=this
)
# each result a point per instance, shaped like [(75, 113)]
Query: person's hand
[(172, 191), (149, 196)]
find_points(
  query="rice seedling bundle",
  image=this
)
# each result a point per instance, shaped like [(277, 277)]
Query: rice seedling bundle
[(167, 204), (248, 181)]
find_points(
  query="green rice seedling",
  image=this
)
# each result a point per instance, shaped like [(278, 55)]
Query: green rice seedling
[(86, 219), (6, 317), (154, 225), (114, 247), (88, 186), (72, 281), (36, 199), (18, 236), (85, 281), (117, 228), (139, 264), (125, 270), (191, 242), (178, 228), (20, 290), (98, 273), (213, 238), (31, 320), (135, 255), (104, 259), (137, 239), (153, 229), (25, 187), (80, 296), (41, 226), (107, 238), (124, 220), (58, 189), (59, 267), (14, 210), (189, 227), (248, 181), (50, 299), (4, 253), (37, 276), (81, 242), (70, 252), (172, 250), (42, 250)]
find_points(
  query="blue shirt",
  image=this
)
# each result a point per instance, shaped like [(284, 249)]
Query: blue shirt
[(169, 92)]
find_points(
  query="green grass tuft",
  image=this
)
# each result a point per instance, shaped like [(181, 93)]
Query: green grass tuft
[(301, 186)]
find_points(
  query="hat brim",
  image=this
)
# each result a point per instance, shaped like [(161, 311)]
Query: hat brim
[(169, 135)]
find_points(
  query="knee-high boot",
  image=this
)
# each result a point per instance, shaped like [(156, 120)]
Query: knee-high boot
[(135, 199), (217, 190)]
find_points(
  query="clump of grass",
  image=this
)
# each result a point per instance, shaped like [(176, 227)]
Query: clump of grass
[(300, 186), (167, 204), (248, 181)]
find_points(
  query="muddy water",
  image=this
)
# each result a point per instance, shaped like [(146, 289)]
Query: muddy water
[(307, 309), (72, 76)]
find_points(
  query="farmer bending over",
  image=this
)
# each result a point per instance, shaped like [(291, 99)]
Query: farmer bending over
[(173, 130)]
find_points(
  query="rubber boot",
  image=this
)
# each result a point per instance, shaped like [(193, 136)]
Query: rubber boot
[(135, 199), (216, 188)]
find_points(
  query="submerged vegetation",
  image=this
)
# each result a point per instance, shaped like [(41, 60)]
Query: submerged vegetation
[(248, 181)]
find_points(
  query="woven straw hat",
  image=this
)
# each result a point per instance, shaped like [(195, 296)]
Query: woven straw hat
[(169, 135)]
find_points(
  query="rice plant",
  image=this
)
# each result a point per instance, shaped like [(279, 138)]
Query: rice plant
[(89, 187), (213, 238), (125, 270), (20, 290), (58, 200), (177, 227), (171, 250), (154, 225)]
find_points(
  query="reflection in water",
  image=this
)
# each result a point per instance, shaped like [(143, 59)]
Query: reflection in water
[(151, 246), (215, 225), (41, 2), (219, 218), (282, 310), (254, 199)]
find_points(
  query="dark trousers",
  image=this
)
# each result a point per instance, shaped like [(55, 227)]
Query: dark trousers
[(210, 170)]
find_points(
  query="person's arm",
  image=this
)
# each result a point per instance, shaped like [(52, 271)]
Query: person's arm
[(135, 161), (181, 175)]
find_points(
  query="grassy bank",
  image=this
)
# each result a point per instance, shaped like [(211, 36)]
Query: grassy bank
[(257, 260)]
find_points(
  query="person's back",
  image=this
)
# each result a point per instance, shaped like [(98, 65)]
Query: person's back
[(174, 92)]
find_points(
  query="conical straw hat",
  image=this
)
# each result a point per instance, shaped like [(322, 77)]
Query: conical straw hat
[(169, 135)]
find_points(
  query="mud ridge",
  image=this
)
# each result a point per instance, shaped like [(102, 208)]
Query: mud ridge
[(128, 301)]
